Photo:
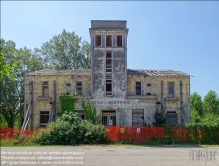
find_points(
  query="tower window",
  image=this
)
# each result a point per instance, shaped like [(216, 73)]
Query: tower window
[(108, 40), (98, 41), (119, 40), (138, 88), (108, 73)]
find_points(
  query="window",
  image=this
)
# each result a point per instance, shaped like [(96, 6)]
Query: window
[(79, 88), (171, 88), (98, 41), (171, 117), (108, 40), (119, 40), (45, 89), (108, 73), (80, 113), (138, 117), (109, 118), (44, 117), (138, 88)]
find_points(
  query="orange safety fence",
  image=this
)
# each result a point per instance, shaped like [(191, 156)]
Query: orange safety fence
[(9, 133), (142, 134), (115, 133)]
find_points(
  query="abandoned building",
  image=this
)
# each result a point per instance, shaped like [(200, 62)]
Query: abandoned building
[(122, 97)]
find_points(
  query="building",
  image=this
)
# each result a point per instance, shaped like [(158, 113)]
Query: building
[(122, 96)]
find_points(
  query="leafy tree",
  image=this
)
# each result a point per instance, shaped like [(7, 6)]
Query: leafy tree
[(5, 69), (195, 117), (65, 51), (90, 112), (211, 103), (196, 104), (12, 89)]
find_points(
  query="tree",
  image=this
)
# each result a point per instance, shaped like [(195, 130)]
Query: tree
[(5, 69), (12, 88), (211, 103), (65, 51), (90, 112), (196, 104)]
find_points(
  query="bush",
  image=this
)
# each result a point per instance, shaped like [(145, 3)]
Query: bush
[(160, 119), (69, 129)]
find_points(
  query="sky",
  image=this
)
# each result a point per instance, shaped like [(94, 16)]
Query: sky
[(163, 35)]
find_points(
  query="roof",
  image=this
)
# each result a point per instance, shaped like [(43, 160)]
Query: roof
[(60, 72), (129, 72), (156, 72)]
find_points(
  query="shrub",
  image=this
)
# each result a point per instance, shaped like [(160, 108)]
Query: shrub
[(90, 112), (69, 129), (160, 119)]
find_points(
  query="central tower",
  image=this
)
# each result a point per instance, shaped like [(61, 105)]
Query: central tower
[(108, 58)]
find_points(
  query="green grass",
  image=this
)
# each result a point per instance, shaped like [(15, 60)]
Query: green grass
[(14, 142)]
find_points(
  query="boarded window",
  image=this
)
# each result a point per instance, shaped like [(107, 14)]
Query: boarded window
[(170, 88), (109, 40), (79, 88), (171, 117), (119, 40), (138, 117), (138, 88), (98, 41), (44, 117), (45, 89), (109, 118), (80, 113)]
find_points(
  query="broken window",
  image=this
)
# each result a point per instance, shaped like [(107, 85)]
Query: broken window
[(138, 88), (79, 88), (138, 117), (108, 73), (108, 40), (171, 117), (45, 89), (119, 40), (171, 88), (98, 41), (44, 118), (80, 113)]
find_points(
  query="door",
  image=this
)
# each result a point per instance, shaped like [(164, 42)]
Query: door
[(109, 118)]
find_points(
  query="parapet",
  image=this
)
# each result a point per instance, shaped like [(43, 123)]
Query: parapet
[(108, 24)]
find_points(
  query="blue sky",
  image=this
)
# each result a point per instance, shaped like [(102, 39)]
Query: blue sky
[(164, 35)]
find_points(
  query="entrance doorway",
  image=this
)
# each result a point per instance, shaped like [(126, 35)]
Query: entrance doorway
[(109, 118)]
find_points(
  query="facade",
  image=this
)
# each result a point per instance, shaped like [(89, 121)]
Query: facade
[(122, 96)]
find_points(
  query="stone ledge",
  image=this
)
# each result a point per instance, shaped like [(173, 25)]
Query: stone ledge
[(172, 98), (44, 98), (141, 97)]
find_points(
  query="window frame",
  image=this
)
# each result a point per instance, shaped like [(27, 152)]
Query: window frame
[(76, 87), (40, 114), (172, 89), (98, 35), (117, 40), (138, 122), (111, 40), (81, 114), (43, 86), (136, 88)]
